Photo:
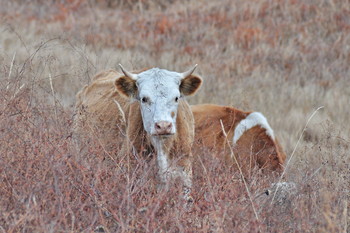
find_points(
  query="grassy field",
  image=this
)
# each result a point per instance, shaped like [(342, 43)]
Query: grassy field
[(283, 58)]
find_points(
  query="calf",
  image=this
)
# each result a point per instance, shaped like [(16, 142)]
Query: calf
[(250, 136), (150, 107)]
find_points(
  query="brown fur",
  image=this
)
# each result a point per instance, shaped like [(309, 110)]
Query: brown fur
[(254, 148), (97, 115)]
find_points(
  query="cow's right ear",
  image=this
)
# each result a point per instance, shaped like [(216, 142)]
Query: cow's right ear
[(126, 86)]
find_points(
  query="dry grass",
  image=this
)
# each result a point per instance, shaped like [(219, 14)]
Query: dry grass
[(282, 58)]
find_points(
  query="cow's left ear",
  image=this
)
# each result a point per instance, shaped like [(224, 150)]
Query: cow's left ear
[(126, 85), (190, 84)]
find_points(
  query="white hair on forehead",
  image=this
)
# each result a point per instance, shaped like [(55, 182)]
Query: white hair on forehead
[(252, 120), (158, 75)]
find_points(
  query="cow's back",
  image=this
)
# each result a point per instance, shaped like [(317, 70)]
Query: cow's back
[(208, 128), (100, 111), (254, 146)]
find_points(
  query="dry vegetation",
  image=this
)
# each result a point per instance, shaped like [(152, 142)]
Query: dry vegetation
[(282, 58)]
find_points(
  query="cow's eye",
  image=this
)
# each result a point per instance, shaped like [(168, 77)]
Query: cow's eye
[(176, 99), (144, 100)]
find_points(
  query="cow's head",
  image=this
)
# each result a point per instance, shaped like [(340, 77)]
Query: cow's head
[(158, 92)]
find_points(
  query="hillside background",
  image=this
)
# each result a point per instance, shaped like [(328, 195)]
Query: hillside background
[(282, 58)]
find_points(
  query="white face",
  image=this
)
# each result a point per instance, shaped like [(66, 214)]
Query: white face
[(159, 94)]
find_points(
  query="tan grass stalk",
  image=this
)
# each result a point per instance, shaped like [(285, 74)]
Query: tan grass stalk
[(18, 90), (10, 71), (240, 170), (292, 155), (53, 94), (345, 214), (120, 110)]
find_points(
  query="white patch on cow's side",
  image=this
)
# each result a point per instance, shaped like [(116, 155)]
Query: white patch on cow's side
[(252, 120)]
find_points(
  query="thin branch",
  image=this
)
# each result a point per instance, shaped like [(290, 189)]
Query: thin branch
[(53, 95), (11, 66), (240, 170), (291, 157), (122, 114)]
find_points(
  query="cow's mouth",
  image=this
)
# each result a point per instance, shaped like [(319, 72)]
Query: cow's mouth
[(165, 135)]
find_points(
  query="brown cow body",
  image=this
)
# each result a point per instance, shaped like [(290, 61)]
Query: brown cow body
[(111, 108), (248, 133), (97, 111)]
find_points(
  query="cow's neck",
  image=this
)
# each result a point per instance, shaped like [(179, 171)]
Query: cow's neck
[(162, 147)]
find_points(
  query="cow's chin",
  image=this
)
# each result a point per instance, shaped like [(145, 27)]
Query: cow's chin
[(168, 135)]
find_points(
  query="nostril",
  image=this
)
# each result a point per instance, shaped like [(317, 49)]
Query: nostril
[(158, 126)]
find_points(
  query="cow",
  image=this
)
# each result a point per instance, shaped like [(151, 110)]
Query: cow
[(147, 112), (248, 134)]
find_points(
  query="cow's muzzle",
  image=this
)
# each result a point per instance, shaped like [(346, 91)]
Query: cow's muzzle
[(163, 128)]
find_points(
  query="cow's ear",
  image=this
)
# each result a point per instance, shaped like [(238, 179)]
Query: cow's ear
[(190, 84), (126, 86)]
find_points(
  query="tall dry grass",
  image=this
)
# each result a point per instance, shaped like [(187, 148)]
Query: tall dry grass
[(282, 58)]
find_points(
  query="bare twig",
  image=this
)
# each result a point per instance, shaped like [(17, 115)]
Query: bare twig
[(53, 95), (314, 173), (17, 91), (291, 157), (240, 170), (12, 29), (122, 114), (11, 66), (345, 214)]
